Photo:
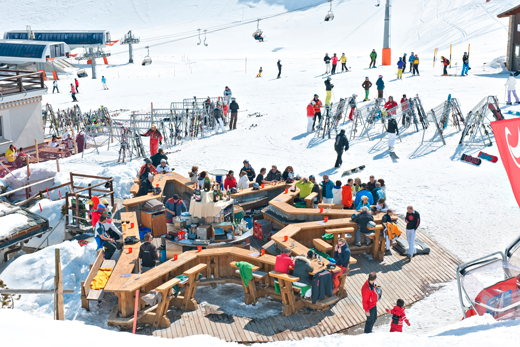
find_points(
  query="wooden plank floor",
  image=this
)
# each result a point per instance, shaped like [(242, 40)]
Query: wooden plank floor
[(410, 281)]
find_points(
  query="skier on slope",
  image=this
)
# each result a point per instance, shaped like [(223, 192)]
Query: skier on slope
[(328, 90), (327, 63), (410, 60), (380, 87), (155, 138), (343, 61), (445, 63), (353, 105), (373, 56), (340, 144), (227, 95), (76, 82), (404, 61), (392, 131), (400, 67), (465, 64), (511, 88), (104, 83), (334, 63), (366, 85)]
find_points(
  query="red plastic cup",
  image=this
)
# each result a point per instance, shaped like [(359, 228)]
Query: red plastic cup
[(131, 225), (326, 218), (321, 209), (157, 185), (175, 257), (286, 190), (129, 249), (262, 251), (199, 249), (286, 238), (263, 186)]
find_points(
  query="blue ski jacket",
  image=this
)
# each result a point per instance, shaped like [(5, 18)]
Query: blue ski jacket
[(411, 59), (400, 64), (380, 84), (327, 189)]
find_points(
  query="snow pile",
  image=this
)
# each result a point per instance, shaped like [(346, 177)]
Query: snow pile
[(19, 179), (11, 222), (52, 211)]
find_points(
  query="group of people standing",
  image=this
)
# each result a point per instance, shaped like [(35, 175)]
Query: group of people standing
[(334, 60)]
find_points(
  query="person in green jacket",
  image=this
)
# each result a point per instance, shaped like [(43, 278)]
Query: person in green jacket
[(305, 188), (373, 57)]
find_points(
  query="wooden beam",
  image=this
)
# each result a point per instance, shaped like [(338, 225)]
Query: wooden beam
[(33, 291), (58, 287)]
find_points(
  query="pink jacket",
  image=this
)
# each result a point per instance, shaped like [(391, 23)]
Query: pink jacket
[(72, 89), (334, 60)]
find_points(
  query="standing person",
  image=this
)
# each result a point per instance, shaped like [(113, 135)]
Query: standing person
[(317, 111), (234, 114), (392, 132), (366, 85), (174, 207), (73, 92), (310, 116), (398, 316), (404, 61), (155, 138), (373, 56), (353, 105), (227, 95), (391, 106), (445, 63), (249, 171), (511, 88), (412, 223), (279, 64), (410, 60), (326, 188), (347, 194), (327, 63), (55, 86), (465, 64), (369, 295), (343, 61), (259, 72), (405, 108), (334, 63), (76, 82), (217, 113), (340, 144), (80, 141), (380, 87), (104, 83), (328, 90), (416, 65), (400, 67)]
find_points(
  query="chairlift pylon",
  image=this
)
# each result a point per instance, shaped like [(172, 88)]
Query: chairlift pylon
[(257, 35), (199, 38), (330, 15), (205, 44), (147, 60)]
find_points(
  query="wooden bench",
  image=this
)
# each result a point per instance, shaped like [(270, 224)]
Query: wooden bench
[(309, 199), (322, 245), (285, 282), (332, 206), (378, 250), (346, 233), (88, 294), (250, 292), (187, 302), (135, 189), (160, 313)]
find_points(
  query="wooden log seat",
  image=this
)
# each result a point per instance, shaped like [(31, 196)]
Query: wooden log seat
[(322, 245), (309, 199), (88, 294)]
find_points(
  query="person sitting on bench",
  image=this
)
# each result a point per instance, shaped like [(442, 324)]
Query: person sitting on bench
[(102, 239), (146, 169), (362, 220), (284, 263), (305, 188), (146, 186), (274, 176), (342, 257), (303, 269), (163, 167), (148, 254), (363, 203)]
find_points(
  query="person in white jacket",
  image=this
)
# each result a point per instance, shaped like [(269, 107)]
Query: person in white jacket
[(337, 197), (243, 182), (511, 88), (163, 168), (382, 206)]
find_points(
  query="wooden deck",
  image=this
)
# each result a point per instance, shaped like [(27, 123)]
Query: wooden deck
[(398, 278)]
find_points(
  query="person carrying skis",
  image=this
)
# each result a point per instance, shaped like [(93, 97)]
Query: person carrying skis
[(343, 61), (400, 67), (73, 92), (353, 105), (410, 60), (76, 82), (392, 131), (404, 61), (366, 85), (416, 65), (217, 113), (259, 72), (227, 95), (328, 90), (334, 63), (511, 88), (327, 63), (465, 64), (445, 63), (279, 64), (310, 115), (104, 83), (340, 144), (317, 111), (373, 56), (55, 86), (398, 317), (155, 138), (380, 87)]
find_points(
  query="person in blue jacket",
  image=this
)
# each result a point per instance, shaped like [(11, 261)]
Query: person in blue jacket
[(400, 67), (410, 60), (380, 86), (326, 188), (364, 192)]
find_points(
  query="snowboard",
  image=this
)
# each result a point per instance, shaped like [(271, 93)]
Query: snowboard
[(471, 160), (496, 113), (393, 155), (356, 169), (489, 157)]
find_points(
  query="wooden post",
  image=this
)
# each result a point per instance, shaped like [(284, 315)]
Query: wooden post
[(28, 169), (58, 288), (136, 309), (74, 141), (37, 152), (58, 164)]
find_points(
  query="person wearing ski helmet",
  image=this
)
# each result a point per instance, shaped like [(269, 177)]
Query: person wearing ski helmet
[(380, 87), (465, 64), (317, 110), (327, 63), (328, 91), (334, 63), (373, 56), (416, 65), (310, 115), (353, 105), (404, 61), (366, 85)]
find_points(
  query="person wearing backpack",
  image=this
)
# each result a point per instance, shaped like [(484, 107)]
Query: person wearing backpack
[(416, 65), (398, 316), (445, 62), (373, 56)]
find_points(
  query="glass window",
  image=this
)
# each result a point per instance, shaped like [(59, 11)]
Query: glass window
[(21, 50)]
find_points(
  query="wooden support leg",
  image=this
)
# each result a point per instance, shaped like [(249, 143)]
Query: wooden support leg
[(189, 303), (287, 297), (342, 292), (84, 301), (252, 291), (160, 313)]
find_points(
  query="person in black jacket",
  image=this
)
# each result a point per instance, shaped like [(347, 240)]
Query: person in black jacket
[(249, 171), (362, 220), (340, 144), (315, 189), (328, 91), (342, 257), (274, 176), (148, 253), (219, 119), (234, 113), (327, 63), (279, 64), (412, 223), (392, 131), (302, 269), (156, 158), (146, 185)]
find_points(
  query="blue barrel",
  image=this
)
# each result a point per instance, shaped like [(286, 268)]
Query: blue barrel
[(163, 254), (249, 221)]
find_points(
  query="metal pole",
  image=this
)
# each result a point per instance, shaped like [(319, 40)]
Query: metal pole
[(387, 53), (131, 59)]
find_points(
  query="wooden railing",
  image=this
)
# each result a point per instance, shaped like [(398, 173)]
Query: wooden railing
[(17, 81)]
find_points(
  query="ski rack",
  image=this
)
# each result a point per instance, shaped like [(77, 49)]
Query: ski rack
[(432, 117), (478, 128), (407, 110), (362, 115), (417, 103), (371, 115), (384, 115)]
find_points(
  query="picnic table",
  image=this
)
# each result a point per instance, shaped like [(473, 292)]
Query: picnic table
[(52, 153)]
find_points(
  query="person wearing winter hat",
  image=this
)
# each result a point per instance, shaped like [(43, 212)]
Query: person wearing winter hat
[(353, 105), (310, 115), (334, 63), (328, 90), (398, 317), (380, 87), (146, 185), (97, 213), (400, 67), (366, 85), (511, 88), (163, 168), (155, 138), (146, 169), (416, 65), (340, 144)]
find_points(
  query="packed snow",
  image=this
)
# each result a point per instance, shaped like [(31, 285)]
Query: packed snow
[(460, 205), (11, 222)]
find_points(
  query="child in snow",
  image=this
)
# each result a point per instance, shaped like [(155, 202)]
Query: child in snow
[(511, 88), (259, 72), (398, 316)]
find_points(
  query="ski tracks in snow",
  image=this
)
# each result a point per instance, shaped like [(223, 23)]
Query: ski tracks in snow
[(462, 31)]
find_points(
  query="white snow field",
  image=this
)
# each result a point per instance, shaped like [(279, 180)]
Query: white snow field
[(470, 210)]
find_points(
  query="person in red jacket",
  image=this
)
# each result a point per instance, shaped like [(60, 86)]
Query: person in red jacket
[(155, 139), (97, 213), (76, 82), (146, 169), (334, 63), (346, 194), (369, 298), (391, 106), (445, 63), (317, 110), (73, 92), (283, 262), (398, 317), (230, 181), (310, 115)]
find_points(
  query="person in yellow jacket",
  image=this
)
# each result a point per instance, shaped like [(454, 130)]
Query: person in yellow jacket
[(343, 61), (10, 154)]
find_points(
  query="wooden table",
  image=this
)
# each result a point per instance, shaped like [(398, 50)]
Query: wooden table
[(48, 152)]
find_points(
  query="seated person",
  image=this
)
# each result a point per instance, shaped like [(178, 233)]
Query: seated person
[(363, 203), (54, 142), (288, 174), (69, 142), (259, 37), (362, 220), (230, 181), (315, 189), (342, 257), (378, 192), (102, 239), (21, 158), (201, 179), (303, 269), (194, 174), (148, 253), (163, 168), (158, 157), (357, 186), (97, 213), (274, 176), (146, 185), (347, 192), (326, 188), (174, 207), (112, 231), (243, 182), (337, 197), (305, 188), (146, 169), (10, 155), (260, 178), (371, 183), (381, 205), (364, 192), (283, 262)]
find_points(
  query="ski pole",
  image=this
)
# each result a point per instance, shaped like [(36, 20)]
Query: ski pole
[(505, 93)]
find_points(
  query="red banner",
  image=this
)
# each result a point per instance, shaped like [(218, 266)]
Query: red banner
[(507, 137)]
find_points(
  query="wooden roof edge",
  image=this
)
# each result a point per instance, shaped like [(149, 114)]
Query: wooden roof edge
[(510, 12)]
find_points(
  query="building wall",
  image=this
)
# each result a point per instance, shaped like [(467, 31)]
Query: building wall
[(509, 55)]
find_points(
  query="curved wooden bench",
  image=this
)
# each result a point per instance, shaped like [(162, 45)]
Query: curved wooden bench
[(309, 199), (135, 189), (322, 245), (285, 282)]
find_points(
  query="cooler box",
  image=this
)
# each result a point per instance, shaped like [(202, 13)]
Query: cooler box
[(153, 205), (143, 231), (238, 213), (249, 221), (262, 227)]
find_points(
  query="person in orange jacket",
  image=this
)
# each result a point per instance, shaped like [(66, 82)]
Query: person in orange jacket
[(146, 169), (445, 63), (155, 139), (317, 110), (346, 194), (369, 299), (398, 317)]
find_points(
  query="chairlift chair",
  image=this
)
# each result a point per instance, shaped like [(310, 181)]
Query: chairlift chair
[(147, 60), (330, 15), (198, 43), (82, 73), (205, 44), (257, 35)]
